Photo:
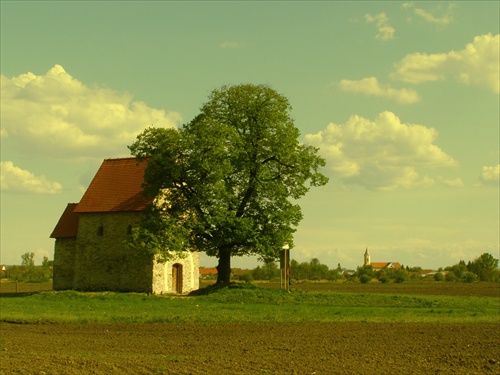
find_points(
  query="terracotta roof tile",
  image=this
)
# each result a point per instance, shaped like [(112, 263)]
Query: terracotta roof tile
[(381, 265), (208, 271), (67, 226), (117, 186)]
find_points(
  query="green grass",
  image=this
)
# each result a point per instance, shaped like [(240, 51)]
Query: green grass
[(246, 305)]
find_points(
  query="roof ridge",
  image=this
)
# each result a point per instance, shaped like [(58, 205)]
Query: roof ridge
[(122, 158)]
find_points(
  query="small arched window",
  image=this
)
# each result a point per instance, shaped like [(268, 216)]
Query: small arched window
[(100, 231)]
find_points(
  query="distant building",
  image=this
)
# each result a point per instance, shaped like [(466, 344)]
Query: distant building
[(206, 273), (90, 250), (377, 266)]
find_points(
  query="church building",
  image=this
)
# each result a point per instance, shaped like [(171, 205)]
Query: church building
[(377, 266), (91, 252)]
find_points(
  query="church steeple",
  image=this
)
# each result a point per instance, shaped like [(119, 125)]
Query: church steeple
[(367, 258)]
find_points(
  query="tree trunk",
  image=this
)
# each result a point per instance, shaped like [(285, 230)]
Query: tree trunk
[(224, 267)]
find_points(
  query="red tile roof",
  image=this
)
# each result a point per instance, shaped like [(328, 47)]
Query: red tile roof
[(208, 271), (67, 226), (117, 186), (381, 265)]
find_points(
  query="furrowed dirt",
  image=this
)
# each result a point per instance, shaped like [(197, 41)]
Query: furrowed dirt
[(305, 348)]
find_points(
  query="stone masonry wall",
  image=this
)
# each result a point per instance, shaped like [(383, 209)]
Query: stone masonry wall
[(103, 261), (64, 263)]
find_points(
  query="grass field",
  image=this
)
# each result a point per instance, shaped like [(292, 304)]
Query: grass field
[(247, 303)]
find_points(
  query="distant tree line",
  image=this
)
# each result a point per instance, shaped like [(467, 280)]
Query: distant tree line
[(312, 270), (29, 272), (483, 268), (366, 274)]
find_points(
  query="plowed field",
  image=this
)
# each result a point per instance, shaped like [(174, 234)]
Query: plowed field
[(326, 348)]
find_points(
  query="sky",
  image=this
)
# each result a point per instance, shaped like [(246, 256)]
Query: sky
[(401, 98)]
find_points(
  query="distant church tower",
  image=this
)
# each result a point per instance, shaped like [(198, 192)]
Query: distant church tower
[(367, 258)]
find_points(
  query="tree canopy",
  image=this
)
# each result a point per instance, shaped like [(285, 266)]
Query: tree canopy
[(227, 182)]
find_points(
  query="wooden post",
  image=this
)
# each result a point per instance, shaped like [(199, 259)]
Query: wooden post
[(285, 264)]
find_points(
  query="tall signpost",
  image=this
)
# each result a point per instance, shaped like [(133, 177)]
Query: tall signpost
[(285, 266)]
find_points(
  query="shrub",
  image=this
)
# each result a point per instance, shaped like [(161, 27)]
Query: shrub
[(469, 277), (438, 276), (401, 275), (450, 276), (246, 277), (384, 279), (365, 279)]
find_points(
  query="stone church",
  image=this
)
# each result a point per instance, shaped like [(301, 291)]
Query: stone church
[(90, 239)]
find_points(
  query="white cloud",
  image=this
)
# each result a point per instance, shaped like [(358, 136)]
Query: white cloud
[(456, 182), (477, 65), (491, 175), (384, 30), (17, 180), (445, 19), (370, 86), (57, 115), (384, 154)]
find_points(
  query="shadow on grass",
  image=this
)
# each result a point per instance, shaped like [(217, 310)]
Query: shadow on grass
[(19, 294), (214, 288)]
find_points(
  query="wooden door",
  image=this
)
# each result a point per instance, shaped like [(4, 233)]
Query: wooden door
[(177, 277)]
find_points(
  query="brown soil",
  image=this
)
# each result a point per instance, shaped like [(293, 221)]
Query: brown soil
[(322, 348), (482, 289)]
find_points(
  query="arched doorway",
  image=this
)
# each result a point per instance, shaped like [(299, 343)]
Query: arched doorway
[(177, 278)]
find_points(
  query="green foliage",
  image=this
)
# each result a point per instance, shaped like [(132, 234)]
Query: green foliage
[(246, 277), (438, 276), (224, 180), (335, 274), (28, 272), (365, 274), (46, 263), (37, 275), (28, 260), (269, 271), (365, 278), (34, 274), (485, 267), (450, 276), (383, 277), (401, 275), (456, 272), (469, 277), (312, 270)]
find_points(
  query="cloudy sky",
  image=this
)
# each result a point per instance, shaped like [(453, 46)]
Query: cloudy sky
[(402, 99)]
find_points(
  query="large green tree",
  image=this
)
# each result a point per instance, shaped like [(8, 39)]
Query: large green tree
[(227, 182)]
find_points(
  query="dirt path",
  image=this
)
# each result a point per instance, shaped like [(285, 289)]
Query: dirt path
[(337, 348)]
